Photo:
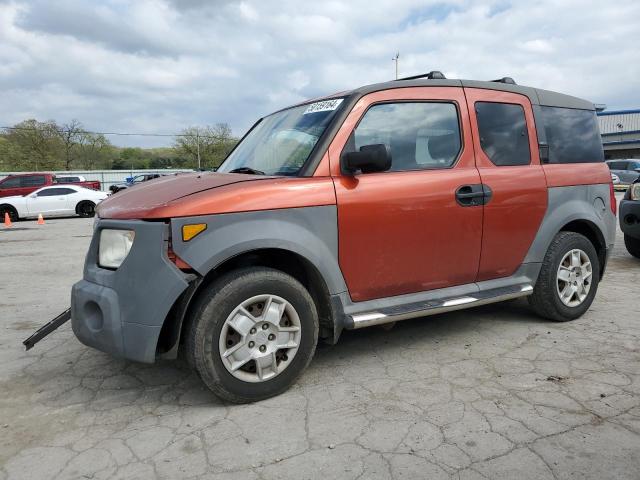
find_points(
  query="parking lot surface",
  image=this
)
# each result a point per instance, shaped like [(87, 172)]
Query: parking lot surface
[(492, 392)]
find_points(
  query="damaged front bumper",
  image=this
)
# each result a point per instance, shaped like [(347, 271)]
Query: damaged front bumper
[(121, 311)]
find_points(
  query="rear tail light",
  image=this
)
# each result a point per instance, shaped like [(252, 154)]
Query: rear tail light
[(614, 204)]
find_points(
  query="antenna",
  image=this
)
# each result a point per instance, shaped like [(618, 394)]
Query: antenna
[(395, 59)]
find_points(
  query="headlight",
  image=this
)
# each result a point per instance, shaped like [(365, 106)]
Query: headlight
[(114, 247), (635, 191)]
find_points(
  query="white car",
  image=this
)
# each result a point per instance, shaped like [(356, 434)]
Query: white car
[(53, 201)]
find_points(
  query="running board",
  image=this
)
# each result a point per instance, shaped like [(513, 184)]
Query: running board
[(432, 307)]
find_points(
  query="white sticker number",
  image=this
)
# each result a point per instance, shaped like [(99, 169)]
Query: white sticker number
[(324, 106)]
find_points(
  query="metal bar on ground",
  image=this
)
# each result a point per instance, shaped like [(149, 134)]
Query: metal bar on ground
[(47, 329)]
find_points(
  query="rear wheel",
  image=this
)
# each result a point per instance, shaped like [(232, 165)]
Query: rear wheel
[(568, 279), (13, 213), (633, 245), (86, 209), (252, 334)]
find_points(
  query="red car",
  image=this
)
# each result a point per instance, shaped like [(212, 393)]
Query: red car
[(24, 184)]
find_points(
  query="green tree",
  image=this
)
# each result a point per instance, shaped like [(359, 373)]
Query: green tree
[(94, 150), (39, 143), (211, 143), (11, 156)]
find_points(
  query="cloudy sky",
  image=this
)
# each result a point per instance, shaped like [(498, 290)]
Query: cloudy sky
[(158, 66)]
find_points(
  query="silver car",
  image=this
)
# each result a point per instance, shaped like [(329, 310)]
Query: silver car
[(628, 171)]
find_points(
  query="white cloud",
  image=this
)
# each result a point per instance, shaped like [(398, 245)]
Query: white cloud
[(538, 46), (160, 65)]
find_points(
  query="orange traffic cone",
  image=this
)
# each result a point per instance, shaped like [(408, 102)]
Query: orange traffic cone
[(40, 219), (7, 220)]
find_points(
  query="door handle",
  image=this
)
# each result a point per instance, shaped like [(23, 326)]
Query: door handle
[(473, 195), (469, 195)]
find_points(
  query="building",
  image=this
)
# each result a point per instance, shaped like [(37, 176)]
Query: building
[(620, 132)]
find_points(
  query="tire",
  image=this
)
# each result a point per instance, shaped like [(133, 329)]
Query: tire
[(13, 213), (209, 331), (546, 298), (86, 209), (633, 245)]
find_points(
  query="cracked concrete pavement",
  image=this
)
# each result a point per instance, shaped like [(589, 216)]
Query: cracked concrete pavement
[(493, 392)]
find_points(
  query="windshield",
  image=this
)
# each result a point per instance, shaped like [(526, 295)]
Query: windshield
[(282, 142)]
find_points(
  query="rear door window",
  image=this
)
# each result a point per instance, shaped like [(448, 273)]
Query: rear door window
[(503, 133), (573, 135), (32, 181)]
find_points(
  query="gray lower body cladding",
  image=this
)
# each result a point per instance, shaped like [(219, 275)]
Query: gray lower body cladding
[(578, 203), (122, 311), (310, 232)]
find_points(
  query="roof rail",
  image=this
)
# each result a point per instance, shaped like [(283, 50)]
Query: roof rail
[(508, 80), (432, 75)]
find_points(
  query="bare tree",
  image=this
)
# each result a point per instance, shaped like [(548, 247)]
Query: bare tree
[(71, 134)]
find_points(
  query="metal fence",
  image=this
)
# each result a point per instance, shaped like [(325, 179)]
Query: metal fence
[(105, 177)]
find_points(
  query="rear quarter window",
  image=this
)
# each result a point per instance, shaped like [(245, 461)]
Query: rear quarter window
[(573, 135)]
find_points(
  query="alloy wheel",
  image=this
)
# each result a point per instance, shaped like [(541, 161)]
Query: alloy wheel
[(260, 338), (574, 278)]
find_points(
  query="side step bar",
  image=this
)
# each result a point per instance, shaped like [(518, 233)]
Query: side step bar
[(432, 307)]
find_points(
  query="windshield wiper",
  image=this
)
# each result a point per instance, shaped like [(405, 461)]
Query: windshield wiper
[(249, 170)]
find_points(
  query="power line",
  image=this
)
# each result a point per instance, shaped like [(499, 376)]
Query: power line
[(127, 134)]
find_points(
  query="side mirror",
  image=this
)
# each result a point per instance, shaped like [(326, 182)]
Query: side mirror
[(370, 159), (33, 195), (543, 148)]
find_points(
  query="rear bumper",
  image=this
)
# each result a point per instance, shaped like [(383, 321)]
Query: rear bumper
[(122, 311), (630, 217)]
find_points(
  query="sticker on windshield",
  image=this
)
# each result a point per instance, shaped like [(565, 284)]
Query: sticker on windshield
[(324, 106)]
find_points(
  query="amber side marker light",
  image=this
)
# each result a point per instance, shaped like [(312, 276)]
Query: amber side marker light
[(190, 231)]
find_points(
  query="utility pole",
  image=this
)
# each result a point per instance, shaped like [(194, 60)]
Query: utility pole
[(198, 145), (395, 59)]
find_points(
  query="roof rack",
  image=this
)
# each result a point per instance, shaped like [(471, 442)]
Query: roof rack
[(432, 75), (508, 80)]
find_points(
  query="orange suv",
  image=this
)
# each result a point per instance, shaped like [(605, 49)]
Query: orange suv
[(392, 201)]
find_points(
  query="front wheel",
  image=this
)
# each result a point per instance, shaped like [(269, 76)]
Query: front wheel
[(253, 332), (633, 245), (568, 279)]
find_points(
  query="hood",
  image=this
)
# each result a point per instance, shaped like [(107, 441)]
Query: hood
[(160, 191), (15, 197), (213, 193)]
